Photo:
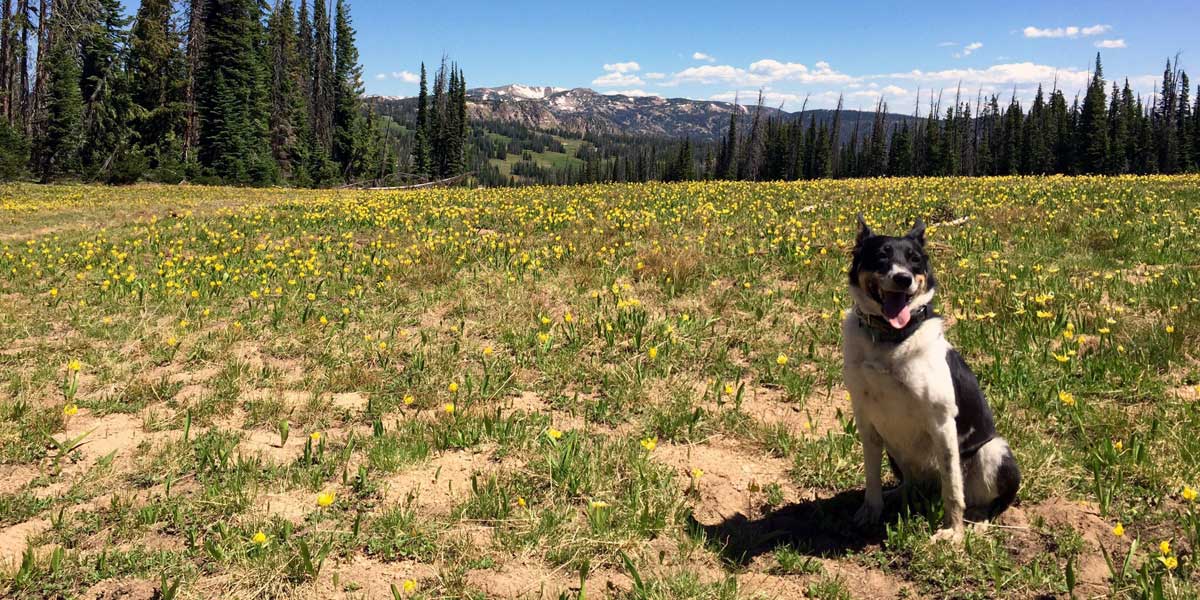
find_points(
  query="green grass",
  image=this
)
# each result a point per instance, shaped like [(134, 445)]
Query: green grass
[(636, 383)]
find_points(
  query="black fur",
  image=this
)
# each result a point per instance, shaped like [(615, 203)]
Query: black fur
[(974, 421)]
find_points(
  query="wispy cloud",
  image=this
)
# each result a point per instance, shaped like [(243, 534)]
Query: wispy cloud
[(404, 76), (1117, 43), (1071, 31), (623, 67), (632, 93), (655, 75), (759, 73), (968, 49), (621, 74), (704, 57), (947, 44)]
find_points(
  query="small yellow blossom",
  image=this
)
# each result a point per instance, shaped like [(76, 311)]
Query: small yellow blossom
[(74, 366), (453, 387), (70, 410), (408, 399), (409, 586), (697, 473), (1189, 493), (259, 538), (1119, 530), (449, 408), (521, 501), (1067, 398), (324, 499), (650, 443), (1170, 562), (554, 434), (652, 352), (315, 436), (781, 360), (487, 350), (1164, 547)]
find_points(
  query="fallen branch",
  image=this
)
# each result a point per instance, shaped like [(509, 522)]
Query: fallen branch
[(958, 221), (446, 181)]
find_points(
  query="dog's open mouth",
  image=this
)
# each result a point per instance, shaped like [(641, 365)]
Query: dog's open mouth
[(895, 305)]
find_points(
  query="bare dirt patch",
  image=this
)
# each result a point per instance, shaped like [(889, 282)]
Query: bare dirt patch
[(14, 539), (441, 483), (121, 589), (733, 480), (1084, 518)]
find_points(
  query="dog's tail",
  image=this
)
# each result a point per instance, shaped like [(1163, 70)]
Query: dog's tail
[(1007, 481)]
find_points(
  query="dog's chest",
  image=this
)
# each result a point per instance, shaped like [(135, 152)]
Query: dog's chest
[(903, 390)]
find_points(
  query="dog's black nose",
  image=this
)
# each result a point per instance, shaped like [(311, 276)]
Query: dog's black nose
[(903, 280)]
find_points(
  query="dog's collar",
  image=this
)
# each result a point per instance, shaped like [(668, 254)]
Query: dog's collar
[(881, 331)]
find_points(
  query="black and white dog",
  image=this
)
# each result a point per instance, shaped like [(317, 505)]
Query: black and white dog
[(912, 393)]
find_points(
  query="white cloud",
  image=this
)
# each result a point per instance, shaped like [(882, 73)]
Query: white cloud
[(1065, 32), (633, 93), (947, 44), (623, 67), (760, 73), (617, 79), (704, 57), (404, 76), (771, 99), (1117, 43), (656, 75), (997, 75), (968, 49)]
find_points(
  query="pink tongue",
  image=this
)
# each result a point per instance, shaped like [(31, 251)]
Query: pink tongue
[(900, 320), (895, 309)]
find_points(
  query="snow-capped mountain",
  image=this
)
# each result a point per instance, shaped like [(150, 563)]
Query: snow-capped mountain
[(580, 110)]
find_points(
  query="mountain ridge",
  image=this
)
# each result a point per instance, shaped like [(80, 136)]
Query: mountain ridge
[(581, 110)]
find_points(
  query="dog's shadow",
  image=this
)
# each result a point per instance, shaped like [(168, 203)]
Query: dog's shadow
[(822, 527)]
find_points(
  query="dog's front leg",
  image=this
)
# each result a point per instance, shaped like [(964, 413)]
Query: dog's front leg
[(953, 502), (872, 445)]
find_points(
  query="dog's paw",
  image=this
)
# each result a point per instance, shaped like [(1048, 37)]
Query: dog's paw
[(868, 514), (950, 534)]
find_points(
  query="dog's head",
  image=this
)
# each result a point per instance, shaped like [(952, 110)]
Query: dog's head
[(890, 276)]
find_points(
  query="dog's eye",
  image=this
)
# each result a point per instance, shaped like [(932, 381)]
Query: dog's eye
[(913, 257)]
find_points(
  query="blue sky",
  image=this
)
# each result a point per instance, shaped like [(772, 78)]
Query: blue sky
[(714, 50)]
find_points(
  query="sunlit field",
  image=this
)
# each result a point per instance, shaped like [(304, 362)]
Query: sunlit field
[(624, 391)]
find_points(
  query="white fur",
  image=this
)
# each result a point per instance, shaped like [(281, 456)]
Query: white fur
[(903, 400)]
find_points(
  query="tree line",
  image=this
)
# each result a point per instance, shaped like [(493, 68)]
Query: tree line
[(1107, 130), (211, 91), (1101, 133)]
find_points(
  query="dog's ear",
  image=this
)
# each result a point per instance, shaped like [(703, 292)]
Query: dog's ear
[(864, 231), (918, 231)]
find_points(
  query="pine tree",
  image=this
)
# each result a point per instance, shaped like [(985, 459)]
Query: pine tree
[(421, 156), (57, 148), (1093, 131), (231, 97), (1118, 135), (107, 105), (321, 102), (349, 127), (1183, 122), (156, 69), (288, 121), (1035, 151)]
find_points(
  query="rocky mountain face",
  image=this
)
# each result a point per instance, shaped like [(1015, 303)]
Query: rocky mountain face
[(580, 110)]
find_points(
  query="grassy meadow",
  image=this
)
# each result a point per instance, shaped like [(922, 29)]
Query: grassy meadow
[(623, 391)]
